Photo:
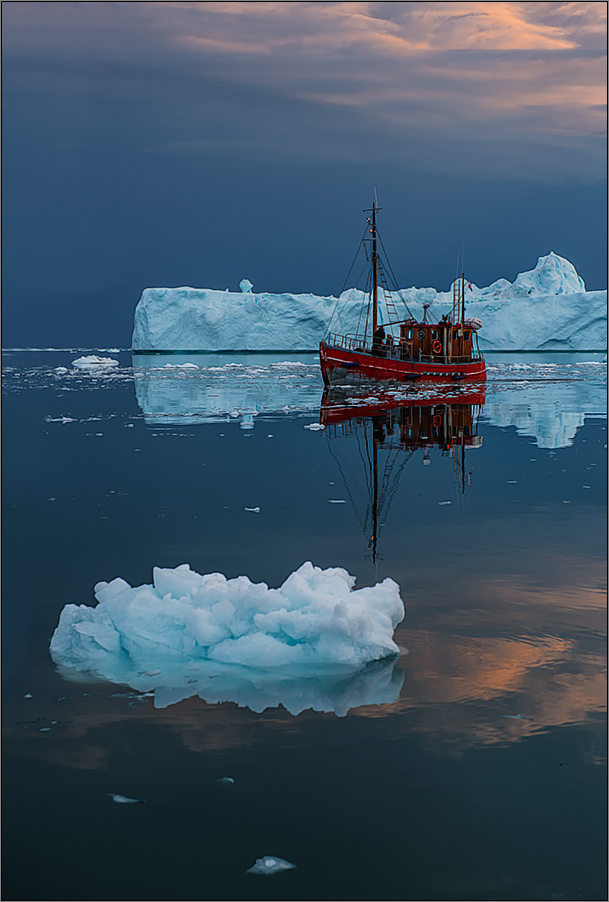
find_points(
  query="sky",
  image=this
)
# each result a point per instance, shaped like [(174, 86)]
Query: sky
[(200, 143)]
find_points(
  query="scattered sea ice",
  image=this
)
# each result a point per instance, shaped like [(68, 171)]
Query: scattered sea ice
[(270, 865), (124, 800), (28, 695), (444, 502), (336, 501), (314, 426), (225, 781), (94, 362), (254, 510)]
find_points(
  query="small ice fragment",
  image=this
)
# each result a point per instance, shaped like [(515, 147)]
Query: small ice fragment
[(123, 800), (128, 425), (402, 650), (245, 285), (44, 730), (444, 502), (225, 781), (28, 695), (153, 672), (269, 435), (254, 510), (270, 865), (586, 487), (61, 369), (83, 363), (314, 426), (336, 501), (512, 481), (54, 721), (514, 716), (331, 483), (566, 502)]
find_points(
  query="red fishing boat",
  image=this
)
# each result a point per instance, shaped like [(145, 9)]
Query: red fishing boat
[(401, 349)]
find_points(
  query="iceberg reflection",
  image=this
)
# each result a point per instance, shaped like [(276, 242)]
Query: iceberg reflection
[(545, 396), (377, 683)]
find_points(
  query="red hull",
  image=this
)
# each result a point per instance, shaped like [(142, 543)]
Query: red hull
[(341, 366)]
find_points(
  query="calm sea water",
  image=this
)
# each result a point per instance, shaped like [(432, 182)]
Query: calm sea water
[(483, 774)]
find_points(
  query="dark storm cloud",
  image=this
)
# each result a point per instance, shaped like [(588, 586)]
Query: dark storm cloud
[(201, 143), (313, 78)]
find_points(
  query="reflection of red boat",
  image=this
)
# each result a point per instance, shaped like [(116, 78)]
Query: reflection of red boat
[(336, 409), (447, 421), (403, 350)]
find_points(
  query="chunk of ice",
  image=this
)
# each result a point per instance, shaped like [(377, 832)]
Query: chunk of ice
[(270, 865), (94, 362), (309, 644), (124, 800)]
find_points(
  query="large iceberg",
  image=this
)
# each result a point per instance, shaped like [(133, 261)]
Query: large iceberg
[(314, 642), (547, 308)]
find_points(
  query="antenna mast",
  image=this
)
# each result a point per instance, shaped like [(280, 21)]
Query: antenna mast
[(375, 274)]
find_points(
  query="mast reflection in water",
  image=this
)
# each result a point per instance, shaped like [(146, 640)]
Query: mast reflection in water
[(448, 422)]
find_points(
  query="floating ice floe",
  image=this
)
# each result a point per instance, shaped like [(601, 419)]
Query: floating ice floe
[(225, 781), (94, 362), (124, 800), (316, 642), (314, 427), (253, 510), (270, 865)]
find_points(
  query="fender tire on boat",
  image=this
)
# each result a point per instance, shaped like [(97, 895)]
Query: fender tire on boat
[(436, 347)]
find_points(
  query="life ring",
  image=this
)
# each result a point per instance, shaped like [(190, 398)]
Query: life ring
[(436, 347), (437, 420)]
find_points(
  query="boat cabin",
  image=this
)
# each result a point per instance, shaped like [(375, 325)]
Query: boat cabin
[(444, 341)]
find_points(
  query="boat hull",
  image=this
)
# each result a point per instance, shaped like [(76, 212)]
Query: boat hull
[(340, 366)]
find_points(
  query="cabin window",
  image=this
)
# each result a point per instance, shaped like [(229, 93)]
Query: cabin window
[(466, 336), (408, 333), (434, 333), (466, 430), (455, 334)]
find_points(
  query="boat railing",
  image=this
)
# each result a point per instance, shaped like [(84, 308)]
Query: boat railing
[(353, 342)]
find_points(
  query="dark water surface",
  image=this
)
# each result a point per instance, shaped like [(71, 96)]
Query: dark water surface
[(483, 778)]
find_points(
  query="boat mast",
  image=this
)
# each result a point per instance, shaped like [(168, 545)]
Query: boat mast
[(375, 274), (462, 299), (375, 265)]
